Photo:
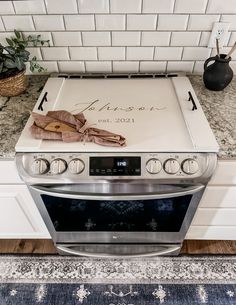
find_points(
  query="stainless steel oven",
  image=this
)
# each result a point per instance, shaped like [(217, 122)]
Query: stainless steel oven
[(117, 218), (116, 205)]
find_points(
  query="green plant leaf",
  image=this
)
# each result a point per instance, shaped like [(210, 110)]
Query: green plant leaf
[(10, 50), (19, 63), (18, 34), (10, 42), (9, 63), (1, 67)]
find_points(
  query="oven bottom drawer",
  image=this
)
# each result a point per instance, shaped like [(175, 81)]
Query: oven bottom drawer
[(119, 250)]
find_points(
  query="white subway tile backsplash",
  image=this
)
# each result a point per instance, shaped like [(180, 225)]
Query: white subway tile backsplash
[(172, 22), (124, 6), (158, 6), (232, 39), (126, 38), (48, 22), (190, 6), (198, 67), (141, 22), (55, 53), (205, 37), (3, 37), (35, 52), (185, 38), (196, 53), (79, 22), (110, 22), (155, 39), (51, 66), (140, 53), (22, 23), (180, 66), (231, 19), (153, 66), (61, 6), (67, 39), (29, 7), (96, 38), (98, 66), (111, 53), (71, 66), (93, 6), (202, 22), (221, 7), (125, 66), (168, 53), (1, 25), (120, 35), (6, 7), (83, 53)]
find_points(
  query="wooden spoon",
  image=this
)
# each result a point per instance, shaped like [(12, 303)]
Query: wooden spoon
[(217, 47), (231, 51)]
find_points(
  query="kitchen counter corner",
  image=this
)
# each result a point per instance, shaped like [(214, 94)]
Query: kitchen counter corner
[(220, 110)]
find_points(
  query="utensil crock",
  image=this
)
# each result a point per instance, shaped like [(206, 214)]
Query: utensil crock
[(218, 75)]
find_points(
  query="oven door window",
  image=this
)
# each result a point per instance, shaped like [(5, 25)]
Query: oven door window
[(156, 215)]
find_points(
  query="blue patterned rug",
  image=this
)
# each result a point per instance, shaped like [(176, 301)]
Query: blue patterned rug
[(57, 280)]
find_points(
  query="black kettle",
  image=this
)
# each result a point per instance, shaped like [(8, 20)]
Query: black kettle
[(218, 75)]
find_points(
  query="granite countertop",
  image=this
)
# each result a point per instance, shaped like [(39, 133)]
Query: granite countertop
[(219, 108)]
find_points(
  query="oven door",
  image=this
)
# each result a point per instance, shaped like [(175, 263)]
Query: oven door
[(117, 212)]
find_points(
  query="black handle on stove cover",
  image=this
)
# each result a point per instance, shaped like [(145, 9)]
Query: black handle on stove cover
[(192, 100), (44, 99)]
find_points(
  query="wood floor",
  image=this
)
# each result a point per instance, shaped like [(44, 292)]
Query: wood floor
[(45, 246)]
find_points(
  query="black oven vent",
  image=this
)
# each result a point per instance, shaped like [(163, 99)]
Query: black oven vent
[(115, 76)]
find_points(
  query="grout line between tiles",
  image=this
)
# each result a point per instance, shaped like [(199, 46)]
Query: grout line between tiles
[(46, 8), (174, 7)]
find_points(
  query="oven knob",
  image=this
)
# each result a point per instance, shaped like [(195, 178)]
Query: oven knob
[(40, 166), (190, 166), (153, 166), (76, 166), (58, 166), (171, 166)]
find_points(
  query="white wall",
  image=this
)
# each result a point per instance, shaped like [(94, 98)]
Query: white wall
[(120, 35)]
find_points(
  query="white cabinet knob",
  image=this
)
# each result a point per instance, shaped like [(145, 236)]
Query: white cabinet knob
[(190, 166), (58, 166), (153, 166), (76, 166), (171, 166), (40, 166)]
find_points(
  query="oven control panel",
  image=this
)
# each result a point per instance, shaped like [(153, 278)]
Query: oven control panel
[(117, 166)]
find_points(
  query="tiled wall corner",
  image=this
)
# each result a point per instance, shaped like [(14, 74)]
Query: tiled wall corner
[(120, 35)]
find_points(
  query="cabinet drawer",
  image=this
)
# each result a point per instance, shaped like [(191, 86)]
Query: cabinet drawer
[(212, 232), (219, 197), (225, 173), (214, 217), (8, 172)]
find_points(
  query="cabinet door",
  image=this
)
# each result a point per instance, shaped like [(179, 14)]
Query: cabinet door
[(19, 217)]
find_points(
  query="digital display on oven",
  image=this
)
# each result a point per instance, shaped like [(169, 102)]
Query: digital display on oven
[(115, 166)]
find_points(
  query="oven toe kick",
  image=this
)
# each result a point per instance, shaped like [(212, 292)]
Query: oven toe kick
[(119, 250)]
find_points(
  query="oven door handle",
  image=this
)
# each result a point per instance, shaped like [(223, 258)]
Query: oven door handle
[(126, 196), (164, 250)]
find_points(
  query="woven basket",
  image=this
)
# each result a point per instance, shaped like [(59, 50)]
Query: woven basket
[(14, 85)]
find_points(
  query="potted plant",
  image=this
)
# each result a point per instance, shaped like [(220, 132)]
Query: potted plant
[(13, 57)]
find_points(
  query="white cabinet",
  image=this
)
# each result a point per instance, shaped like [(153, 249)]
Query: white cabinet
[(216, 215), (19, 216)]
